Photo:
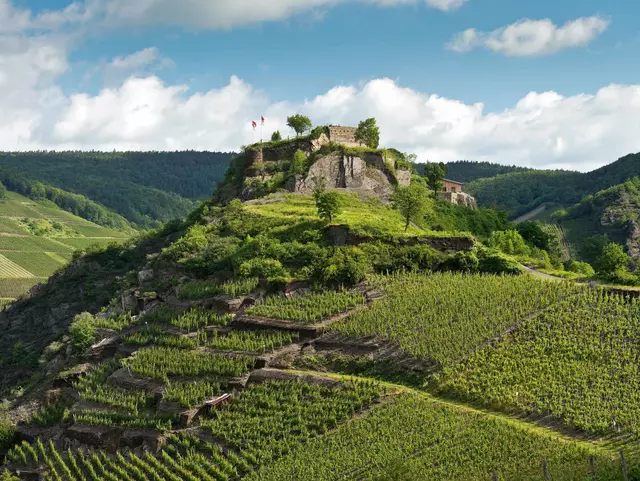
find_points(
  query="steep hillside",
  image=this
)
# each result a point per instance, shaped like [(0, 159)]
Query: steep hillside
[(521, 192), (468, 170), (145, 187), (39, 238)]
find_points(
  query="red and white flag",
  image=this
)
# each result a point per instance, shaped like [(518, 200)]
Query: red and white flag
[(254, 124), (262, 120)]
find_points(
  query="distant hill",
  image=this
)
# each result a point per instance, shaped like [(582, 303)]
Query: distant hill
[(520, 192), (148, 188), (37, 238), (468, 170)]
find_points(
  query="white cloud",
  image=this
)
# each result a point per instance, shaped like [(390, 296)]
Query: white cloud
[(532, 37)]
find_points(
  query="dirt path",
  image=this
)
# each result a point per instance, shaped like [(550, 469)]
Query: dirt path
[(530, 215), (542, 274)]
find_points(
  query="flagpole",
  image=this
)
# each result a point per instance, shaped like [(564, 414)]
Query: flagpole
[(261, 127)]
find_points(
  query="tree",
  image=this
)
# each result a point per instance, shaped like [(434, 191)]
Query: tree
[(3, 192), (276, 137), (434, 173), (612, 259), (412, 202), (299, 123), (368, 133), (328, 205), (298, 163)]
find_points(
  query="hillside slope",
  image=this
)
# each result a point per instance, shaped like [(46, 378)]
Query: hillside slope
[(144, 187), (521, 192), (38, 238)]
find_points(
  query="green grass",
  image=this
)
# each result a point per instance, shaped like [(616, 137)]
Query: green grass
[(85, 242), (413, 437), (366, 218), (18, 206), (577, 362), (11, 270), (40, 264), (443, 317)]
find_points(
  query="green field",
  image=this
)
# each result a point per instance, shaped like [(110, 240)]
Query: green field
[(25, 258)]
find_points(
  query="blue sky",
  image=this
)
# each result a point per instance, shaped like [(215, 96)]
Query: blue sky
[(299, 54)]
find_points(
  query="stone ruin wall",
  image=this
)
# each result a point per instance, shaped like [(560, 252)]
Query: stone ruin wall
[(343, 135)]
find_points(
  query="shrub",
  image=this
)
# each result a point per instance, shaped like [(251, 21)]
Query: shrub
[(492, 261), (462, 261), (82, 332), (192, 242), (345, 267), (612, 260), (581, 268), (263, 268), (510, 242), (7, 434)]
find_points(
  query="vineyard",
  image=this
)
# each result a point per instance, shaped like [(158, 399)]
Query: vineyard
[(309, 308), (444, 317), (577, 361), (203, 289)]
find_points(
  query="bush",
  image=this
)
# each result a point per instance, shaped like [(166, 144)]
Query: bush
[(510, 242), (612, 260), (215, 257), (580, 268), (345, 267), (263, 268), (82, 332), (491, 261), (7, 434), (192, 242), (462, 261)]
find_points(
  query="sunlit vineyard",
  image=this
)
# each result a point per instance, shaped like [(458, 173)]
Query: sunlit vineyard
[(308, 308), (577, 361), (270, 420), (198, 318), (157, 336), (204, 289), (159, 363), (413, 437), (191, 394), (443, 317), (111, 418), (252, 341), (93, 387)]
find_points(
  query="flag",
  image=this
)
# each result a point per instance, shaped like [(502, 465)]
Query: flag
[(262, 120), (253, 124)]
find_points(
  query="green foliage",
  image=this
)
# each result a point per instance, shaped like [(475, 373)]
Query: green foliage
[(480, 222), (298, 163), (204, 289), (594, 247), (82, 332), (462, 261), (611, 260), (309, 308), (328, 205), (196, 239), (299, 123), (414, 437), (492, 261), (510, 242), (7, 476), (276, 136), (537, 236), (262, 268), (49, 415), (434, 173), (443, 317), (258, 424), (543, 367), (581, 268), (368, 133), (159, 363), (191, 394), (413, 203), (252, 341), (344, 267), (136, 421), (7, 433), (467, 171)]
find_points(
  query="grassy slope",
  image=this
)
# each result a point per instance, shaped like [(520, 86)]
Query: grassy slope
[(28, 259)]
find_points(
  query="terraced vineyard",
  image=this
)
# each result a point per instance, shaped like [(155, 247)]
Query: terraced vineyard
[(37, 239)]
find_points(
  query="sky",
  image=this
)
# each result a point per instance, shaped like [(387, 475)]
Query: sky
[(544, 84)]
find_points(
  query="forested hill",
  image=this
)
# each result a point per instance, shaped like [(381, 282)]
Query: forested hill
[(520, 192), (147, 188), (468, 170)]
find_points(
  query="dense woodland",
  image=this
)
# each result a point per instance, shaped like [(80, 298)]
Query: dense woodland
[(147, 188), (520, 192)]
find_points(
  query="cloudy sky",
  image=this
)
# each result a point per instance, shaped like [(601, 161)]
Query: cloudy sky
[(548, 84)]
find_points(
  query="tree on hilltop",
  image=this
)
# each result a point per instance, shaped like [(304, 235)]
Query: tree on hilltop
[(434, 173), (368, 133), (298, 163), (276, 136), (413, 202), (327, 202), (299, 123)]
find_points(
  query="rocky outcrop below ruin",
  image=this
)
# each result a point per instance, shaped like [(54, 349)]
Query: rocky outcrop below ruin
[(367, 174), (459, 198)]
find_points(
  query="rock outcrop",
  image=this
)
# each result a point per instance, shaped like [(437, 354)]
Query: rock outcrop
[(460, 198), (366, 174)]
